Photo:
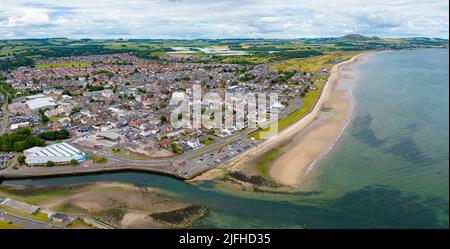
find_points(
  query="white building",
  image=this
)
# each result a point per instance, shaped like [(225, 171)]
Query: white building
[(178, 97), (19, 125), (194, 144), (59, 153), (277, 107), (40, 103)]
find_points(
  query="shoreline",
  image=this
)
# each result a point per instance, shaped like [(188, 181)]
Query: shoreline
[(352, 102), (299, 129), (319, 136), (277, 140)]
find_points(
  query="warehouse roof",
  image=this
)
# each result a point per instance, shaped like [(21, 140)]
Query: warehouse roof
[(39, 103), (57, 153)]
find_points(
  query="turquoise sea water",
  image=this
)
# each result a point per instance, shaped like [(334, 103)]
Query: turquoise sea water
[(389, 169)]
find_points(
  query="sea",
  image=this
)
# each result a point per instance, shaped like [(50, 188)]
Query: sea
[(389, 169)]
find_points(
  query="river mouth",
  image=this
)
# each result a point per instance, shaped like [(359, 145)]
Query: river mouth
[(232, 208)]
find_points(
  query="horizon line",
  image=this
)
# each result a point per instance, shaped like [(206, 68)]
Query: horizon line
[(240, 38)]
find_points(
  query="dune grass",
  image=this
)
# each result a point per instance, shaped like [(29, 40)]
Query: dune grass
[(263, 163)]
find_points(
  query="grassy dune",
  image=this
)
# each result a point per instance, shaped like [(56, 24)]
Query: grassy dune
[(263, 163)]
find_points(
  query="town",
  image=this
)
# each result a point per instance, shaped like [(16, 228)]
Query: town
[(109, 111)]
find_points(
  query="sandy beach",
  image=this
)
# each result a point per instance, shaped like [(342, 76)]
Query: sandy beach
[(320, 130), (308, 139)]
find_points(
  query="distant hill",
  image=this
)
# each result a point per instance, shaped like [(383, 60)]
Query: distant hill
[(358, 37)]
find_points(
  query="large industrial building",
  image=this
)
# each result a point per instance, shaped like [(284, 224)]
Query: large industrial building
[(59, 153), (40, 102)]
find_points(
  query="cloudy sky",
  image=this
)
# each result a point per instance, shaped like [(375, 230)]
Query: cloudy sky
[(222, 18)]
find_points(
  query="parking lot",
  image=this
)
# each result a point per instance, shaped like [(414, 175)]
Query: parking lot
[(216, 157)]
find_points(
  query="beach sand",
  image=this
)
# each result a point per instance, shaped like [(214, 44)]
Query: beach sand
[(307, 140), (321, 130)]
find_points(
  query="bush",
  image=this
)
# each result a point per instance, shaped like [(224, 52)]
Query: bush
[(75, 110), (50, 164), (74, 162), (21, 159)]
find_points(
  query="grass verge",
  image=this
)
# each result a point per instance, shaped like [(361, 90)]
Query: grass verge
[(308, 103), (263, 163)]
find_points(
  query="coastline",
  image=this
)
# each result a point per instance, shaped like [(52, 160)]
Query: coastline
[(319, 136), (291, 167), (284, 136)]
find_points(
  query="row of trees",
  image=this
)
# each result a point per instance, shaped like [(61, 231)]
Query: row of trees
[(54, 135), (19, 141)]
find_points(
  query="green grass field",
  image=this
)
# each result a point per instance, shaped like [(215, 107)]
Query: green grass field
[(99, 159), (315, 63), (64, 64)]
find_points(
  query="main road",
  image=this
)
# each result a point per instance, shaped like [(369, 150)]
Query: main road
[(25, 222), (5, 116)]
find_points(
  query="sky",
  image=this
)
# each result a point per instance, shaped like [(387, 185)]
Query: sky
[(191, 19)]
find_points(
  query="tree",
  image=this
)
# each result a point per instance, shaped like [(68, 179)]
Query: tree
[(21, 159), (50, 164), (44, 118), (75, 110), (163, 119), (179, 150), (19, 141), (66, 92), (74, 162), (54, 135)]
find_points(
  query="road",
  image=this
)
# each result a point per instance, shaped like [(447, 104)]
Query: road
[(195, 161), (5, 116), (25, 222)]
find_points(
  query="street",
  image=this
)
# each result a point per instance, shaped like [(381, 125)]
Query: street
[(25, 222)]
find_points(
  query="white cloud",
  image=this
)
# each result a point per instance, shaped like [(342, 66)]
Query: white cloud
[(31, 17), (222, 18)]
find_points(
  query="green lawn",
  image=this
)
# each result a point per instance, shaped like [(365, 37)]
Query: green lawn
[(64, 64), (208, 141), (263, 163), (308, 103), (131, 155), (6, 225), (99, 159)]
